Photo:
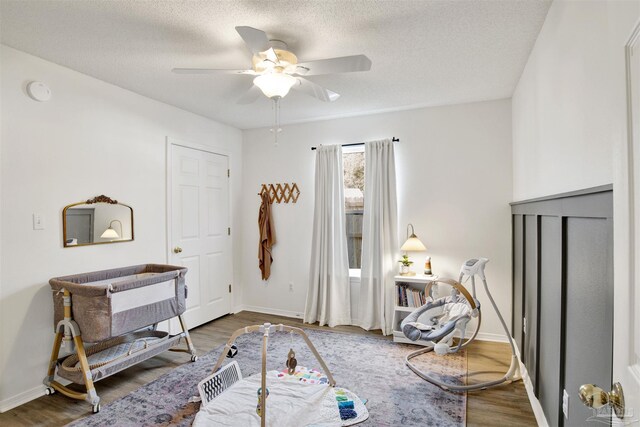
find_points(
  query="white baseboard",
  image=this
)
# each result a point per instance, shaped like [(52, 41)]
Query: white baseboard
[(21, 398), (273, 311), (486, 336), (538, 412), (27, 396)]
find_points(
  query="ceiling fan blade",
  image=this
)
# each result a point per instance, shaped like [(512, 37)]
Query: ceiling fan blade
[(256, 40), (272, 55), (250, 96), (345, 64), (209, 71), (315, 90)]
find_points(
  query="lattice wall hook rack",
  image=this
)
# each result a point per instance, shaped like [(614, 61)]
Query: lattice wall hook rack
[(281, 193)]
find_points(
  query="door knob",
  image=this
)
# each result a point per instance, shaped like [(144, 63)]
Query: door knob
[(595, 397), (177, 249)]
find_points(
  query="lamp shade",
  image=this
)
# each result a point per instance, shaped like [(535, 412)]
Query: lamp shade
[(275, 84), (413, 244), (110, 233)]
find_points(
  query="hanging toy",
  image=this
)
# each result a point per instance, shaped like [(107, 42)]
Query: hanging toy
[(259, 407), (233, 350), (291, 362)]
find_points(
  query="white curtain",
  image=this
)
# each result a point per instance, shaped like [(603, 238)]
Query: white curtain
[(379, 237), (328, 296)]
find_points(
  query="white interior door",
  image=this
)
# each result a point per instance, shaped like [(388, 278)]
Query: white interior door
[(626, 337), (199, 236)]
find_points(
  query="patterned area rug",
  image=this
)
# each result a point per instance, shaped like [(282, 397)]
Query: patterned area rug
[(371, 367)]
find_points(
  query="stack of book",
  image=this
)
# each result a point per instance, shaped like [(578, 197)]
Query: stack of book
[(408, 297)]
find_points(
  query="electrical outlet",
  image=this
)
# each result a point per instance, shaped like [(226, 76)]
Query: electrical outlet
[(37, 222), (565, 403), (290, 286)]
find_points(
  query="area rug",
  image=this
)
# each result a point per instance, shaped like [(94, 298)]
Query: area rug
[(371, 367)]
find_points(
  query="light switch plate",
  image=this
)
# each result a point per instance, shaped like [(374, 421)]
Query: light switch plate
[(37, 222)]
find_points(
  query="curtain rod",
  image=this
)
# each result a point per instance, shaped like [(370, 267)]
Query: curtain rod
[(394, 139)]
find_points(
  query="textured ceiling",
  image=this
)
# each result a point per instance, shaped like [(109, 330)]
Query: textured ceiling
[(423, 52)]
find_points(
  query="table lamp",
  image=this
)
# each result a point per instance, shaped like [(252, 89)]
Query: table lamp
[(412, 244)]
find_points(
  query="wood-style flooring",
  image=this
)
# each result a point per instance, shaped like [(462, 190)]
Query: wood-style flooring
[(505, 405)]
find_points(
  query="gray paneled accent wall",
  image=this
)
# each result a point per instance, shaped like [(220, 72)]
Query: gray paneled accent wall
[(550, 360), (518, 279), (589, 308), (531, 292), (563, 296)]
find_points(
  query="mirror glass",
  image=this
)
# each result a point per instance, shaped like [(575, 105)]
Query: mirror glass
[(97, 221)]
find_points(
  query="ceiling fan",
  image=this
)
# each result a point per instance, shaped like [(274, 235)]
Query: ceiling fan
[(276, 70)]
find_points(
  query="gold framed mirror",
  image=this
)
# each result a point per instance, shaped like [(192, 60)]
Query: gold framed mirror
[(95, 222)]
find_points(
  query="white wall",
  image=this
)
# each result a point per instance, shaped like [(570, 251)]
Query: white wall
[(454, 184), (48, 155), (568, 107)]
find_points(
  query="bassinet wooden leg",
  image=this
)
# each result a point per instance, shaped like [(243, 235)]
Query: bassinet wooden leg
[(92, 396), (187, 337), (57, 343), (51, 371)]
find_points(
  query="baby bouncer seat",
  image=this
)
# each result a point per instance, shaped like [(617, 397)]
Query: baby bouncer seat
[(444, 322)]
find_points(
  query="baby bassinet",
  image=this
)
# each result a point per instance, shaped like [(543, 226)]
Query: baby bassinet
[(105, 308), (109, 303)]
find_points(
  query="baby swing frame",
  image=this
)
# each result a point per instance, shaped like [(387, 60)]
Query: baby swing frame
[(266, 329), (470, 268)]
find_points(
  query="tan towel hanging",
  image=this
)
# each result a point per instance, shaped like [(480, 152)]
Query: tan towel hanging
[(267, 236)]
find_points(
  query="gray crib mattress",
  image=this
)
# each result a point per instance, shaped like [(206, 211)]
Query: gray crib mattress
[(122, 279)]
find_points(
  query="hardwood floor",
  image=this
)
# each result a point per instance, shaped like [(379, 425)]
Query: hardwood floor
[(506, 405)]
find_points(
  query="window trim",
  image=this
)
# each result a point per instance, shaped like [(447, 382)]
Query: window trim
[(354, 273), (353, 149)]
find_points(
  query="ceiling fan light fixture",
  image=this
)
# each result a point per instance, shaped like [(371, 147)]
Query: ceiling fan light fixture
[(275, 84)]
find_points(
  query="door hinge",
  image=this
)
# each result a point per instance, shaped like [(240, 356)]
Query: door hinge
[(228, 231), (229, 288), (524, 325), (228, 173)]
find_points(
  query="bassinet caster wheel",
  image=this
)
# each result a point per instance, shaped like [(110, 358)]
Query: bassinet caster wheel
[(49, 391), (95, 408), (194, 358)]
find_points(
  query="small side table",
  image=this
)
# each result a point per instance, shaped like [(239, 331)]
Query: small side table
[(402, 308)]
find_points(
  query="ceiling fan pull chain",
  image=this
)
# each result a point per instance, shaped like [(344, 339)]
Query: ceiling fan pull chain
[(276, 130)]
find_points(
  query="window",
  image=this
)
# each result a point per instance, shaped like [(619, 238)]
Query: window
[(353, 163)]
